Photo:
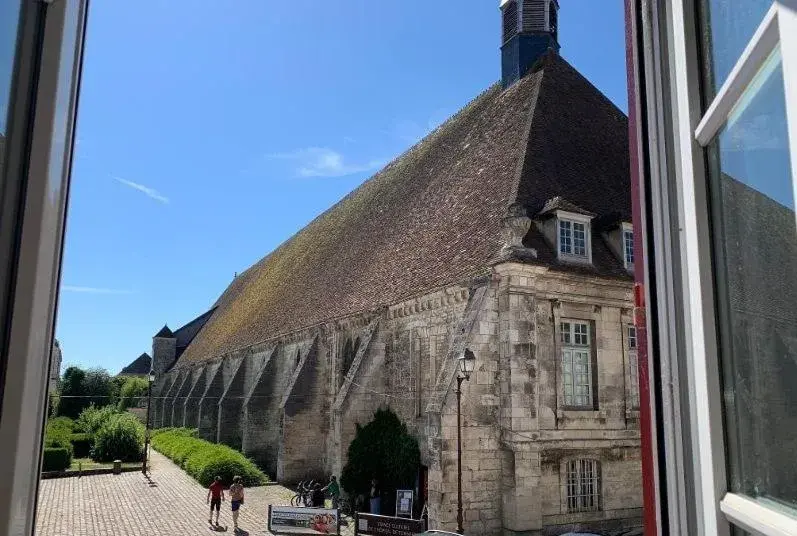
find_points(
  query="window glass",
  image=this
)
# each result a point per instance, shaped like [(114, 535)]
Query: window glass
[(583, 486), (756, 254), (579, 240), (9, 20), (628, 247), (565, 237), (728, 26)]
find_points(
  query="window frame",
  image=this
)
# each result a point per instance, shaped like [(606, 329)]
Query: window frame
[(572, 347), (691, 438), (633, 396), (596, 480), (626, 230), (572, 218)]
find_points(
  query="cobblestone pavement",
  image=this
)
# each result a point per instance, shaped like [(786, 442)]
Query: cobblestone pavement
[(130, 505)]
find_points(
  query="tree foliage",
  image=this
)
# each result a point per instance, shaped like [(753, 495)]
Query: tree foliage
[(120, 437), (83, 388), (132, 393), (382, 449)]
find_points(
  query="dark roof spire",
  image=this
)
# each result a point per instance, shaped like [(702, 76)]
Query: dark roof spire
[(530, 28), (165, 332)]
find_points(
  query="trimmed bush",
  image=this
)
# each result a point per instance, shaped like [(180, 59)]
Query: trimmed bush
[(204, 460), (93, 418), (60, 424), (81, 445), (183, 432), (120, 438), (56, 459)]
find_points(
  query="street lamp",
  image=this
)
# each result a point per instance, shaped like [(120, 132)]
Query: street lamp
[(150, 379), (467, 362)]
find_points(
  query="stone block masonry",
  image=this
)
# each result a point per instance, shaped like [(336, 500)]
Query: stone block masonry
[(292, 403)]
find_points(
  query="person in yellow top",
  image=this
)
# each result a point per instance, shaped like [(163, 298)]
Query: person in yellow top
[(236, 499)]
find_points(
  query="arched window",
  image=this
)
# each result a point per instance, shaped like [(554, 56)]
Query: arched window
[(510, 20), (298, 358), (583, 484), (347, 357)]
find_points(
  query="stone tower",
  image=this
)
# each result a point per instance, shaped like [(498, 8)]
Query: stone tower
[(529, 28), (164, 350)]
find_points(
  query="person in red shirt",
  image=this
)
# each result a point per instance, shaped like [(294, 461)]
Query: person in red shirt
[(215, 496)]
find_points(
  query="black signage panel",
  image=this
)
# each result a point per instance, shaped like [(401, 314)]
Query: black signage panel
[(374, 525)]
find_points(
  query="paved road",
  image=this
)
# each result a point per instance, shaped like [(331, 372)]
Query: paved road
[(130, 505)]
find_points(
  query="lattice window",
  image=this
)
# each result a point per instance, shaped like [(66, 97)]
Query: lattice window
[(583, 486), (628, 248), (573, 238), (576, 364)]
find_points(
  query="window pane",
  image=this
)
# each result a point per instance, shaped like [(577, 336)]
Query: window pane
[(728, 26), (756, 250), (579, 240), (565, 240), (9, 19)]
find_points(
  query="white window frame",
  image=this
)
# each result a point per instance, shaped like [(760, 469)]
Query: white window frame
[(626, 229), (717, 508), (562, 216), (580, 467), (576, 343)]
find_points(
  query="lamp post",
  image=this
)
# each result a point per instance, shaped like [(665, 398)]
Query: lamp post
[(150, 379), (467, 362)]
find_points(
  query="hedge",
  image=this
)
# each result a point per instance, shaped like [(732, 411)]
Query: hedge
[(204, 460), (56, 459), (93, 418), (82, 444), (121, 437)]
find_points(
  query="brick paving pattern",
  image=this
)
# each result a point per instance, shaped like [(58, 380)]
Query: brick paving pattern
[(130, 505)]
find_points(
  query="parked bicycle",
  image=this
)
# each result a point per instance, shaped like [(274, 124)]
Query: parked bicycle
[(304, 492)]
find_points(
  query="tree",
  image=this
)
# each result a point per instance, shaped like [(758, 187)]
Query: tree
[(382, 449), (132, 393), (72, 402), (82, 388)]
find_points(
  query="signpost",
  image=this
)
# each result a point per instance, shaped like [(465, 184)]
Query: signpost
[(291, 520), (404, 502), (374, 525)]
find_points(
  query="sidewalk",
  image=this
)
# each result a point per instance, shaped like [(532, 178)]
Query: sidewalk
[(130, 505)]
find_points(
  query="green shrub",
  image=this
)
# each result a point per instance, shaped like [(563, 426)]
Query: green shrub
[(204, 460), (182, 432), (62, 424), (93, 418), (56, 459), (120, 438), (81, 445)]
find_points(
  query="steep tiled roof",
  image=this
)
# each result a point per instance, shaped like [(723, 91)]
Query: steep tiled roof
[(433, 216), (141, 365), (186, 333)]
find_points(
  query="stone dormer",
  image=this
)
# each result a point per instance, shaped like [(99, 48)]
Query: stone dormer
[(568, 229)]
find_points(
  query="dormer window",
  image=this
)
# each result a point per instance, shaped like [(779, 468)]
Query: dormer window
[(572, 238), (628, 248), (574, 241)]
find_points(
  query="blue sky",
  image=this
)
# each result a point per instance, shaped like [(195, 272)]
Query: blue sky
[(209, 132)]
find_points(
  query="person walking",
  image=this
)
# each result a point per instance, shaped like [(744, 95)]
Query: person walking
[(333, 490), (318, 496), (215, 496), (236, 499), (376, 497)]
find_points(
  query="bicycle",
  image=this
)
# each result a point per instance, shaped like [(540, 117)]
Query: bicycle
[(303, 493)]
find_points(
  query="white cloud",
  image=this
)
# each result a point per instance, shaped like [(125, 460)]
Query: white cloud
[(146, 190), (93, 290), (323, 162)]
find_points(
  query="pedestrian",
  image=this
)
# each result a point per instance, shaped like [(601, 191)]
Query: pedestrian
[(333, 490), (318, 495), (376, 497), (215, 496), (236, 499)]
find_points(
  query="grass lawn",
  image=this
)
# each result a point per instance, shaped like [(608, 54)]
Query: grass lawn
[(87, 463)]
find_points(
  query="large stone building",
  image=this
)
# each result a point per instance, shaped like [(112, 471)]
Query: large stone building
[(506, 231)]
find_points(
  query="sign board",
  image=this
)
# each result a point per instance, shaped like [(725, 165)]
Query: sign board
[(291, 520), (404, 502), (374, 525)]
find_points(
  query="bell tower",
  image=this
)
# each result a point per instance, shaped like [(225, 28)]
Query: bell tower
[(529, 28)]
